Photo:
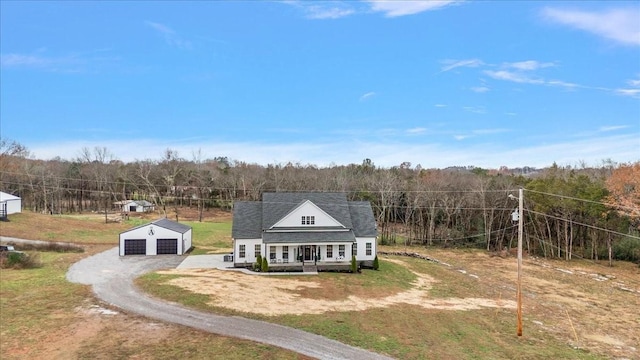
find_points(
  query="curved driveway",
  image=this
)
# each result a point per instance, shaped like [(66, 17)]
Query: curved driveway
[(112, 278)]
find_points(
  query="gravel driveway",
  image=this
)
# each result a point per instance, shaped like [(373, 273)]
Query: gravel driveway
[(112, 279)]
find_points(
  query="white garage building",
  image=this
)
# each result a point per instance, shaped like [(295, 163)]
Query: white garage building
[(9, 204), (156, 238)]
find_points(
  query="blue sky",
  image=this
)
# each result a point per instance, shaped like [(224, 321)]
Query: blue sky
[(435, 83)]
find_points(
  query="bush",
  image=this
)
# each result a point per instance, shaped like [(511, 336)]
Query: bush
[(265, 265), (376, 264), (20, 260), (354, 264), (259, 261), (627, 249)]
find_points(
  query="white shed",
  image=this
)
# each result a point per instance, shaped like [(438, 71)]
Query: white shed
[(9, 204), (159, 237), (135, 206)]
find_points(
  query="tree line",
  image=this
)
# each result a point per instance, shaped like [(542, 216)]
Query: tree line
[(587, 212)]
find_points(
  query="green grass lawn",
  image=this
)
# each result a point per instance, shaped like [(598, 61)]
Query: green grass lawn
[(208, 236)]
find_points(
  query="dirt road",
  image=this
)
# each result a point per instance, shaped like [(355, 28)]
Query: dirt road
[(112, 279)]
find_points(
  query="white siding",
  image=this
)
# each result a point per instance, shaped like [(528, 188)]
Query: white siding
[(158, 233), (185, 244), (307, 209), (14, 203), (249, 255), (362, 248)]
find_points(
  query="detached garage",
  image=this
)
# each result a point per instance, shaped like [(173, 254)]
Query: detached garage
[(156, 238)]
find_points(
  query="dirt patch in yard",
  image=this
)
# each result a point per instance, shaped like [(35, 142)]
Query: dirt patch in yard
[(273, 295)]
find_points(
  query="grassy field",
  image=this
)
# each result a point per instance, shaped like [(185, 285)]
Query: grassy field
[(42, 316), (569, 311), (209, 236)]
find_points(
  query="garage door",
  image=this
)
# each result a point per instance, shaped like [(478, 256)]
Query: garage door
[(135, 247), (167, 246)]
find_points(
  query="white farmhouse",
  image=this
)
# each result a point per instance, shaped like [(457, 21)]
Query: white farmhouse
[(159, 237), (299, 231)]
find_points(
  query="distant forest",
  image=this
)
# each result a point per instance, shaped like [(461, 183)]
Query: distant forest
[(583, 212)]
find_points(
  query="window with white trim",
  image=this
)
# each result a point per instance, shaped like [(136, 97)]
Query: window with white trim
[(257, 249), (242, 251), (341, 250), (369, 249), (285, 253), (272, 252), (329, 251), (354, 249), (308, 220)]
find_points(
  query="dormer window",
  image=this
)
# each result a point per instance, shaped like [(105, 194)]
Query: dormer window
[(308, 220)]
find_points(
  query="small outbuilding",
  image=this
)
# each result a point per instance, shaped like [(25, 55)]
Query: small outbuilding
[(158, 237), (9, 204), (138, 206)]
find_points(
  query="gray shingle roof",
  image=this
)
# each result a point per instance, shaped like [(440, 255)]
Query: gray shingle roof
[(250, 218), (172, 225), (165, 223), (364, 223), (278, 205), (247, 220)]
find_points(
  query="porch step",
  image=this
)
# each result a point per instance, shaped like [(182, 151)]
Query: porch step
[(310, 269)]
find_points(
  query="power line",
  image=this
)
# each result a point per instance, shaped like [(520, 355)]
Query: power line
[(583, 200), (583, 224)]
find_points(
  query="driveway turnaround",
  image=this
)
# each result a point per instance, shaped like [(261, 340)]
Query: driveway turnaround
[(112, 279)]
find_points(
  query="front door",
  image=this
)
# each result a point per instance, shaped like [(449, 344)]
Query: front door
[(308, 253)]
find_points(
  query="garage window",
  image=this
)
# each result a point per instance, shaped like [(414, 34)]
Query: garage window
[(135, 247), (167, 246)]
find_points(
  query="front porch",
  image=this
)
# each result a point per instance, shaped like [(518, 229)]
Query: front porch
[(307, 257)]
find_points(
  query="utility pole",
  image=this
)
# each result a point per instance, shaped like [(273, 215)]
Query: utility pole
[(520, 229)]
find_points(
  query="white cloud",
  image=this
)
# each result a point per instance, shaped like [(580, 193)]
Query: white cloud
[(367, 96), (440, 105), (170, 36), (480, 89), (475, 109), (452, 64), (620, 25), (76, 62), (565, 84), (635, 93), (612, 128), (401, 8), (512, 76), (634, 82), (323, 12), (529, 65), (417, 130)]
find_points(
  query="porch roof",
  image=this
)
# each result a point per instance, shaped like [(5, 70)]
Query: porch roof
[(308, 237)]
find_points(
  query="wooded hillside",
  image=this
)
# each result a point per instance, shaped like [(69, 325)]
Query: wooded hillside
[(585, 212)]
